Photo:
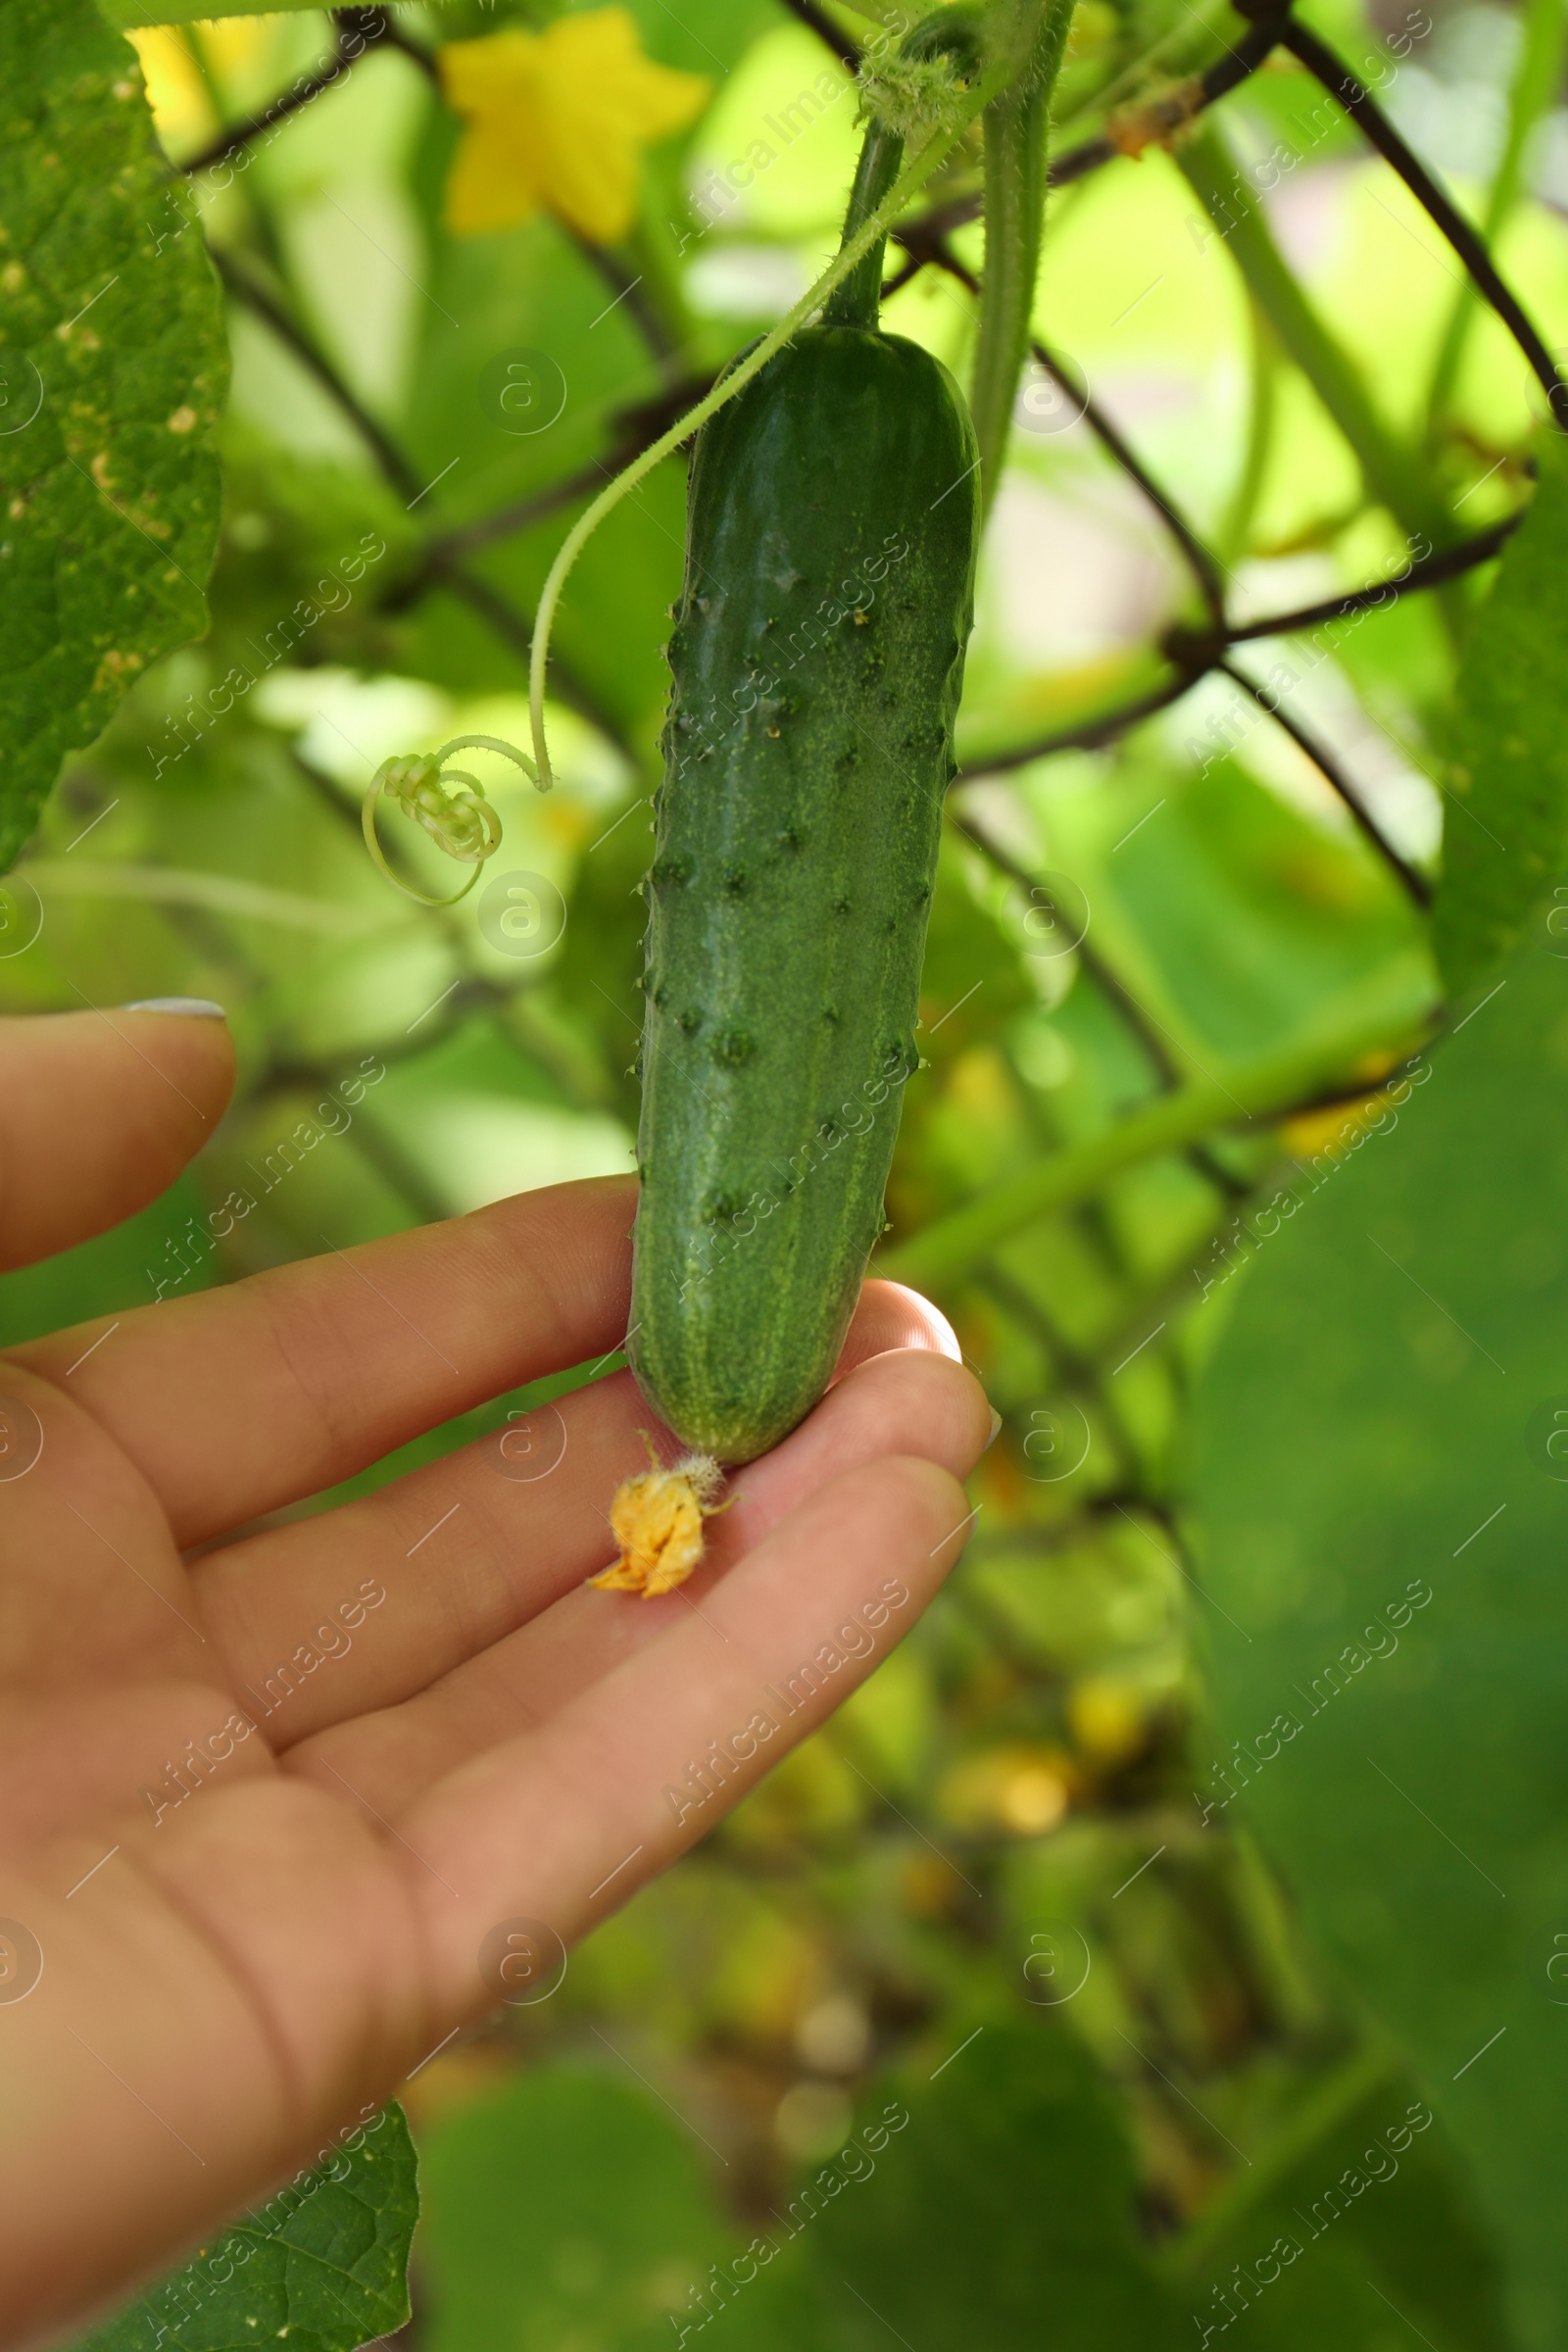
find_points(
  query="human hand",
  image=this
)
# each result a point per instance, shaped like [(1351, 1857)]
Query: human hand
[(260, 1889)]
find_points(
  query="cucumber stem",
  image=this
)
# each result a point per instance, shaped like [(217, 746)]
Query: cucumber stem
[(854, 302), (955, 33)]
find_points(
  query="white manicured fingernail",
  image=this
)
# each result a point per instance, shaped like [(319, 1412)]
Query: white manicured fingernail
[(996, 1428), (197, 1007)]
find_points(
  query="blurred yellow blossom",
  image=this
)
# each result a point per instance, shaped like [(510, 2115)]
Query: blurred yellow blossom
[(559, 119), (242, 55), (177, 91)]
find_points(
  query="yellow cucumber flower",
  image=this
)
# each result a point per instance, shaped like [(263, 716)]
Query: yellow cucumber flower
[(559, 120)]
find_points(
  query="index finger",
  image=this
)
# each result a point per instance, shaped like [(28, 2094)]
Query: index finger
[(239, 1402)]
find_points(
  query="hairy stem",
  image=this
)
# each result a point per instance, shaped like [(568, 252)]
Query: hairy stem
[(1017, 123), (1393, 474), (856, 300)]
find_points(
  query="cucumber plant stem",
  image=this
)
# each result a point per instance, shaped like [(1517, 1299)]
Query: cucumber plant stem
[(1393, 474), (1015, 127)]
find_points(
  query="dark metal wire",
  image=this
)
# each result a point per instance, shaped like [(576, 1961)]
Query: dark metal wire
[(1185, 103), (356, 31), (247, 288), (843, 49), (512, 627), (1430, 573), (1090, 734), (1106, 980), (1415, 884), (1358, 102), (1195, 654)]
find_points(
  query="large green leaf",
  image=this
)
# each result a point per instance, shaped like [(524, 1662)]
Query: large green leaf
[(1505, 832), (113, 363), (569, 2208), (325, 2262), (998, 2214), (1378, 1493)]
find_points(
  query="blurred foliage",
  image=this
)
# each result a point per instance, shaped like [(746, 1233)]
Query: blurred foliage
[(1412, 1322), (1508, 773), (998, 1832)]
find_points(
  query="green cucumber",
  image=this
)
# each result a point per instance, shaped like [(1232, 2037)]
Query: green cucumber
[(816, 658)]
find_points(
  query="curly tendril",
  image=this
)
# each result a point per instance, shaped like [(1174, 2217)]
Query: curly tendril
[(462, 822)]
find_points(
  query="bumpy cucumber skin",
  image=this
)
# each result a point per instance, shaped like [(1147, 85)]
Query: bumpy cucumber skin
[(817, 657)]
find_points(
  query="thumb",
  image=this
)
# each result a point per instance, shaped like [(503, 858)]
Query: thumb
[(99, 1113)]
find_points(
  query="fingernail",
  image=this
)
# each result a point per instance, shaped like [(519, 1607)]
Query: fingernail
[(996, 1428), (197, 1007)]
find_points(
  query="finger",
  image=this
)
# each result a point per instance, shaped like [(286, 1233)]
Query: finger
[(396, 1591), (564, 1824), (890, 1315), (238, 1401), (906, 1403), (99, 1113)]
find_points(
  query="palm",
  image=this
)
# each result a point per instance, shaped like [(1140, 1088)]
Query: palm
[(266, 1793)]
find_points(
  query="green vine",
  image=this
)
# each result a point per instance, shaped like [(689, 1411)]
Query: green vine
[(1015, 127)]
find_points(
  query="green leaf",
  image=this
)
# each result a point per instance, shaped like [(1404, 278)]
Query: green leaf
[(1385, 1528), (1006, 2194), (569, 2208), (114, 358), (325, 2262), (1505, 832)]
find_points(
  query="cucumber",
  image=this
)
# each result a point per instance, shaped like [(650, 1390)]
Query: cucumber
[(817, 660)]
